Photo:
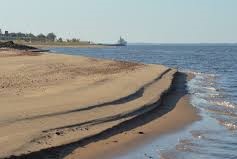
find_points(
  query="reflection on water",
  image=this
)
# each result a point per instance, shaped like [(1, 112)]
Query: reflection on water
[(213, 91)]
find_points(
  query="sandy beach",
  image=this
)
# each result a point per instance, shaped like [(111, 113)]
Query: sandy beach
[(69, 106)]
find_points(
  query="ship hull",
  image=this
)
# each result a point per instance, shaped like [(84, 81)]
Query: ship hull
[(113, 44)]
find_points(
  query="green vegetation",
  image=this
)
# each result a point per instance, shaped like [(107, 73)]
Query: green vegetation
[(41, 39)]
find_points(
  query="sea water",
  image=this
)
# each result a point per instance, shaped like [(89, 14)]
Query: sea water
[(213, 92)]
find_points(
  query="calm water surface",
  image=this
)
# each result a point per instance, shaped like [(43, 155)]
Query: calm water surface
[(213, 91)]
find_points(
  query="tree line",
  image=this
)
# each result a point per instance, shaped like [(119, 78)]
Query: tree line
[(28, 37)]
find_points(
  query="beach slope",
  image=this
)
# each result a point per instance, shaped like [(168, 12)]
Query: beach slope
[(52, 104)]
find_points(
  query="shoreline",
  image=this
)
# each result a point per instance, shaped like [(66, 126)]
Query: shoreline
[(125, 108), (52, 45), (122, 144)]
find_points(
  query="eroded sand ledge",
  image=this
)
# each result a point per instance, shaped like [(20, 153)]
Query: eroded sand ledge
[(52, 100)]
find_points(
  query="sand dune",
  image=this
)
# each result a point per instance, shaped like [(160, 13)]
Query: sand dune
[(51, 100)]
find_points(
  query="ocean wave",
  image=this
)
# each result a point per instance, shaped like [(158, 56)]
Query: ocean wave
[(229, 125), (201, 84), (217, 110), (200, 73), (210, 88), (206, 96), (225, 104)]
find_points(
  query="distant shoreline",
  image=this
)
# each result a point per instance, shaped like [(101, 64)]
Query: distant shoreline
[(68, 46), (65, 44), (60, 44)]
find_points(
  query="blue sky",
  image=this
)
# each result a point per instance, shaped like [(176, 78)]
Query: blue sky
[(157, 21)]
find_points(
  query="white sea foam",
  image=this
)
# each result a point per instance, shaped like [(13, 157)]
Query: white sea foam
[(229, 125), (201, 73), (210, 88), (225, 104)]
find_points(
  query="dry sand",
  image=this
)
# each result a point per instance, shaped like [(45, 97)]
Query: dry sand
[(53, 105)]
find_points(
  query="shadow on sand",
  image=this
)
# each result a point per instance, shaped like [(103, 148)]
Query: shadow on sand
[(168, 102)]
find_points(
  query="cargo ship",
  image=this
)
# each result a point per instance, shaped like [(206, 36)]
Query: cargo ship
[(121, 42)]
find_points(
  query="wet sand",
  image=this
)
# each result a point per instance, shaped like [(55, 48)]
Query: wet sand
[(67, 107)]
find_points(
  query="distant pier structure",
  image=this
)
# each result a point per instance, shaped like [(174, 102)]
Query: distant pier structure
[(122, 42), (4, 36), (6, 33)]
